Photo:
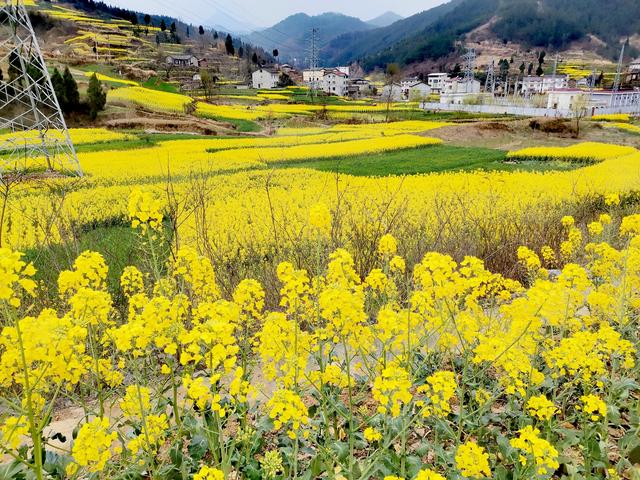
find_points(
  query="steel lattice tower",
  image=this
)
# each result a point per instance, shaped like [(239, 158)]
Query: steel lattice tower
[(37, 137), (490, 83), (469, 67), (313, 61)]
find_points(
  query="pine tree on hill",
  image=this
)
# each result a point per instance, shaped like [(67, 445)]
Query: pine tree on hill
[(59, 88), (228, 45), (72, 95), (97, 97)]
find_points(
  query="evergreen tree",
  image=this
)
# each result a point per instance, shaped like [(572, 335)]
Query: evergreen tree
[(530, 69), (97, 97), (71, 93), (163, 25), (539, 70), (147, 19), (276, 53), (173, 27), (60, 89), (201, 30), (215, 35), (228, 45), (522, 68), (241, 52), (188, 32), (254, 58)]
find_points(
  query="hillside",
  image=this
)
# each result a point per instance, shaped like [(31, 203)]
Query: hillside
[(359, 45), (291, 36), (550, 24)]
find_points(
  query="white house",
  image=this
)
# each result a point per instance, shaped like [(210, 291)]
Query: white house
[(335, 82), (407, 82), (392, 92), (312, 76), (406, 91), (565, 99), (460, 85), (265, 78), (544, 83), (416, 91), (436, 81), (345, 70)]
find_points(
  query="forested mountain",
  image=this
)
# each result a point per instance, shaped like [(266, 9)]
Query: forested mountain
[(534, 23), (292, 35)]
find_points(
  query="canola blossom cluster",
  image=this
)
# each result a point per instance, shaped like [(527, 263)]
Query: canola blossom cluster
[(580, 152), (389, 364)]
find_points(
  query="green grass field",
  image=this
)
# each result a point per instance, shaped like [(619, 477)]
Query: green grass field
[(434, 159)]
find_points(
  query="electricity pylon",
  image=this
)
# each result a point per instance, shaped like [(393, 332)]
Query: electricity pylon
[(490, 84), (33, 133)]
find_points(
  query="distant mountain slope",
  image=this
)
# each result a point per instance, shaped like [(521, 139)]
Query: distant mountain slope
[(359, 45), (385, 19), (551, 24), (291, 36)]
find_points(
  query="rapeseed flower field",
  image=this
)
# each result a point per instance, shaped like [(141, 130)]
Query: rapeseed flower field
[(276, 321), (443, 370)]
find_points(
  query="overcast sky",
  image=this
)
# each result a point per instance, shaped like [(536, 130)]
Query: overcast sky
[(265, 13)]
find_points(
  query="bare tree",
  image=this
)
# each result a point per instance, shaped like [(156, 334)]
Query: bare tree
[(579, 110)]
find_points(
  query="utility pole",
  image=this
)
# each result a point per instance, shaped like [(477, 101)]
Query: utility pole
[(29, 107), (618, 79)]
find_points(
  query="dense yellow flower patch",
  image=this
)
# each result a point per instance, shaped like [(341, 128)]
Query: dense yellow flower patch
[(588, 151), (627, 127), (409, 126), (612, 117), (449, 350), (78, 136), (107, 78), (152, 99)]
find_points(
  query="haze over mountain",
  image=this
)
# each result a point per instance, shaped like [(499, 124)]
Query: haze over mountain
[(226, 22), (385, 19)]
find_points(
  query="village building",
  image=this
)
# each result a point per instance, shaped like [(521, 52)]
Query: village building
[(359, 87), (632, 76), (565, 99), (436, 81), (183, 61), (265, 78), (334, 82), (312, 76), (538, 85)]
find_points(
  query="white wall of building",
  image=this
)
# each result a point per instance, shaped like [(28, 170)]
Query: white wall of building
[(264, 79)]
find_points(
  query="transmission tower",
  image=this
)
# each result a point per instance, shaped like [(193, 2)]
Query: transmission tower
[(29, 109), (618, 79), (469, 67), (490, 84), (313, 60)]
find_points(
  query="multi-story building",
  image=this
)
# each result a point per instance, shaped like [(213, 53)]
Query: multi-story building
[(544, 83), (436, 81)]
